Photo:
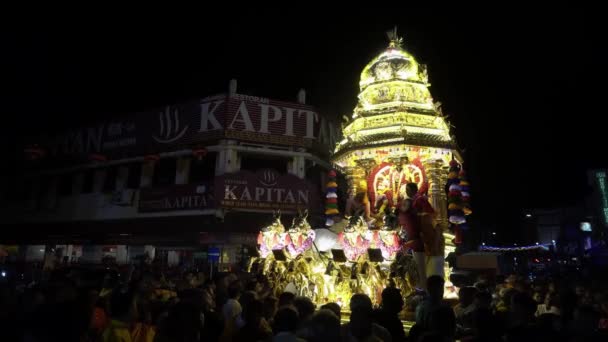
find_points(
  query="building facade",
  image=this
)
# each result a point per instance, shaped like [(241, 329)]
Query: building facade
[(203, 173)]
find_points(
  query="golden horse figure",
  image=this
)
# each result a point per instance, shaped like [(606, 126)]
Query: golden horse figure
[(272, 237), (300, 236), (307, 270)]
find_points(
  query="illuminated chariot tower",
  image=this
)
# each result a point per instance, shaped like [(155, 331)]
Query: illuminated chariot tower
[(397, 134)]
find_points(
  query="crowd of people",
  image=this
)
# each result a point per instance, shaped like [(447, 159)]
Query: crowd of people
[(142, 305)]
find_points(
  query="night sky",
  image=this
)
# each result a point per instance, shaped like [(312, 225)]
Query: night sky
[(524, 87)]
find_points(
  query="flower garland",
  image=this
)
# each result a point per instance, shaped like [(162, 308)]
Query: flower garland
[(294, 250)]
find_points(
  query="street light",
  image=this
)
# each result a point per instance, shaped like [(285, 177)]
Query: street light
[(528, 215), (493, 233)]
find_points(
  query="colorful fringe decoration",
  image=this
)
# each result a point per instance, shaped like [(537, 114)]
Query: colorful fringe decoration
[(465, 193), (457, 191), (331, 199)]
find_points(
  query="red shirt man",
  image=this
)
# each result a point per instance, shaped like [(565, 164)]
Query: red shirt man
[(412, 211)]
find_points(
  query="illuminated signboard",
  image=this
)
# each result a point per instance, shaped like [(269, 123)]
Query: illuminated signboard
[(601, 181)]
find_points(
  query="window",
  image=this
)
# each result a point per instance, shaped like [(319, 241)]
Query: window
[(164, 172), (202, 170), (134, 178), (109, 183), (254, 163)]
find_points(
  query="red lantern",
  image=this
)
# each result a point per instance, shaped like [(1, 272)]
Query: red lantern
[(199, 153), (33, 152), (152, 158), (98, 157)]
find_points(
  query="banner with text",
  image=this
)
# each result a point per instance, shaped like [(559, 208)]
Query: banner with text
[(176, 198), (265, 190), (240, 117)]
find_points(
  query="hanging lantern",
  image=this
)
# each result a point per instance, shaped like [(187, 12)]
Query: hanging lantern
[(98, 157), (152, 158), (199, 153), (33, 152)]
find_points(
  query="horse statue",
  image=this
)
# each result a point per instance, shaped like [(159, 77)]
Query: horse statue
[(300, 236), (387, 238), (355, 239), (272, 236)]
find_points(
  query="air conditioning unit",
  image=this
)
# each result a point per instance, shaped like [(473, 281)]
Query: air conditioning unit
[(123, 197)]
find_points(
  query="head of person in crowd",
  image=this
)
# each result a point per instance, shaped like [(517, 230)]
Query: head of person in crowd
[(286, 299), (580, 289), (333, 307), (246, 298), (538, 297), (325, 326), (286, 320), (435, 288), (234, 291), (523, 307), (466, 296), (483, 300), (392, 301), (361, 316), (184, 322), (484, 325), (270, 307), (252, 313), (305, 307), (122, 306)]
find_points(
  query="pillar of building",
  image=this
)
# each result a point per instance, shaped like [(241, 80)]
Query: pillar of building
[(99, 177), (50, 200), (297, 167), (182, 170), (122, 257), (69, 250), (77, 183), (122, 177), (147, 174), (227, 158), (33, 199), (150, 251)]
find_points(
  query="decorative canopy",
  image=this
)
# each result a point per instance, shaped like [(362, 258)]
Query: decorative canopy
[(395, 105)]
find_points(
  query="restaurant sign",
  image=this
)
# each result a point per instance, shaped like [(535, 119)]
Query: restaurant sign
[(237, 117), (176, 198), (265, 190)]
